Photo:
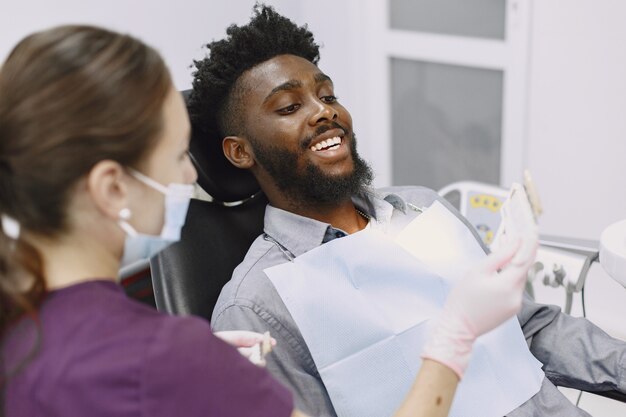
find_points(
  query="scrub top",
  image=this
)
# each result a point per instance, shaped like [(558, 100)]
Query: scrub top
[(99, 353)]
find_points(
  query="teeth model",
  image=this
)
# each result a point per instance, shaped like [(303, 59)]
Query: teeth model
[(327, 145)]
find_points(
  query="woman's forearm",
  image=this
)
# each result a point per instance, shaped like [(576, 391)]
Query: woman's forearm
[(432, 392)]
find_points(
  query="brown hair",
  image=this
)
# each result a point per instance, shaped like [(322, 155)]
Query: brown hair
[(70, 97)]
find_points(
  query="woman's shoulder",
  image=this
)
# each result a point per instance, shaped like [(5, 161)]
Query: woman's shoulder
[(173, 364), (189, 371)]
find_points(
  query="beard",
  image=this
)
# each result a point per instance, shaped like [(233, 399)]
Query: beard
[(310, 185)]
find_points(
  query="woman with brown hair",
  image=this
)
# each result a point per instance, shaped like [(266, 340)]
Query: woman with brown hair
[(95, 174)]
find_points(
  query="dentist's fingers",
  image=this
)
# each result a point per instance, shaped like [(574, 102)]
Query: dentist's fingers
[(242, 338), (517, 273), (498, 259), (247, 351)]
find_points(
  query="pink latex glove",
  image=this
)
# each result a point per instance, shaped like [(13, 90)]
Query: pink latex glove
[(246, 342), (478, 303)]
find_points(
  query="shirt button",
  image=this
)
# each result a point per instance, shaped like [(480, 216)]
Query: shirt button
[(338, 234)]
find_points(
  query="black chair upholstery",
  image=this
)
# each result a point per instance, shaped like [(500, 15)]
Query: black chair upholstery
[(189, 275)]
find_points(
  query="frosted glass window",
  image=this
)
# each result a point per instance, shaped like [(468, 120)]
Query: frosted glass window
[(474, 18), (446, 123)]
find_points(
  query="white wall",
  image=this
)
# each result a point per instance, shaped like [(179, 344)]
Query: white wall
[(577, 124), (178, 29)]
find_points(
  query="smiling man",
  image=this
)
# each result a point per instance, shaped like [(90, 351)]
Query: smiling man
[(261, 99), (302, 149)]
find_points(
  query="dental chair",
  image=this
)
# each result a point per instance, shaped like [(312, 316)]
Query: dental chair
[(188, 276)]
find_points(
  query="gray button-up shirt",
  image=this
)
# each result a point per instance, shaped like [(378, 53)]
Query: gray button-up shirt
[(574, 352)]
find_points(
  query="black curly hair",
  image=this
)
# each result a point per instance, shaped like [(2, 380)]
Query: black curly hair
[(214, 102)]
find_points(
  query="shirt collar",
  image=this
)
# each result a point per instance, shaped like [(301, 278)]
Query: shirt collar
[(299, 234)]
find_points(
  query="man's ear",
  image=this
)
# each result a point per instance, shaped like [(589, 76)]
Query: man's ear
[(107, 188), (238, 151)]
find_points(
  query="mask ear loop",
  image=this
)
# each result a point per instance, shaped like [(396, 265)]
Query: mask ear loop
[(125, 215), (148, 181)]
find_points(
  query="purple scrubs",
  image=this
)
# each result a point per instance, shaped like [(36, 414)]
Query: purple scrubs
[(103, 354)]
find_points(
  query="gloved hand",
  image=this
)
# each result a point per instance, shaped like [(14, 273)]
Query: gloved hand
[(246, 342), (478, 303)]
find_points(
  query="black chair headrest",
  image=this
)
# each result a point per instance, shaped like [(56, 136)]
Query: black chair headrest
[(216, 175)]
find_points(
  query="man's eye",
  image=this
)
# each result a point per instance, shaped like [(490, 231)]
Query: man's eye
[(289, 109), (329, 99)]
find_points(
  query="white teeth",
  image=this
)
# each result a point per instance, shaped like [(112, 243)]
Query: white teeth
[(331, 143)]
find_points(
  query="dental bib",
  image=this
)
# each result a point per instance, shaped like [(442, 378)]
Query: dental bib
[(365, 304)]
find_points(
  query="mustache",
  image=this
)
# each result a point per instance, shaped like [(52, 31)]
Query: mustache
[(306, 142)]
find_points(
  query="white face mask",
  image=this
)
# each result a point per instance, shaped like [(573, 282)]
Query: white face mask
[(140, 247)]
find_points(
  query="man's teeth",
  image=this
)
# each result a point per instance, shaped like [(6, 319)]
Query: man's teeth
[(327, 145)]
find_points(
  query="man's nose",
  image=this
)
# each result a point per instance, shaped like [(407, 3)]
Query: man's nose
[(323, 112)]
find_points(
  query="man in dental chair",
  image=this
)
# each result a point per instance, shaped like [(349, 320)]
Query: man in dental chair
[(337, 301)]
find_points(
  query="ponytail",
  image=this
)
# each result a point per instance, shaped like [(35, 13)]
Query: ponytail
[(22, 287), (18, 305), (22, 283)]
